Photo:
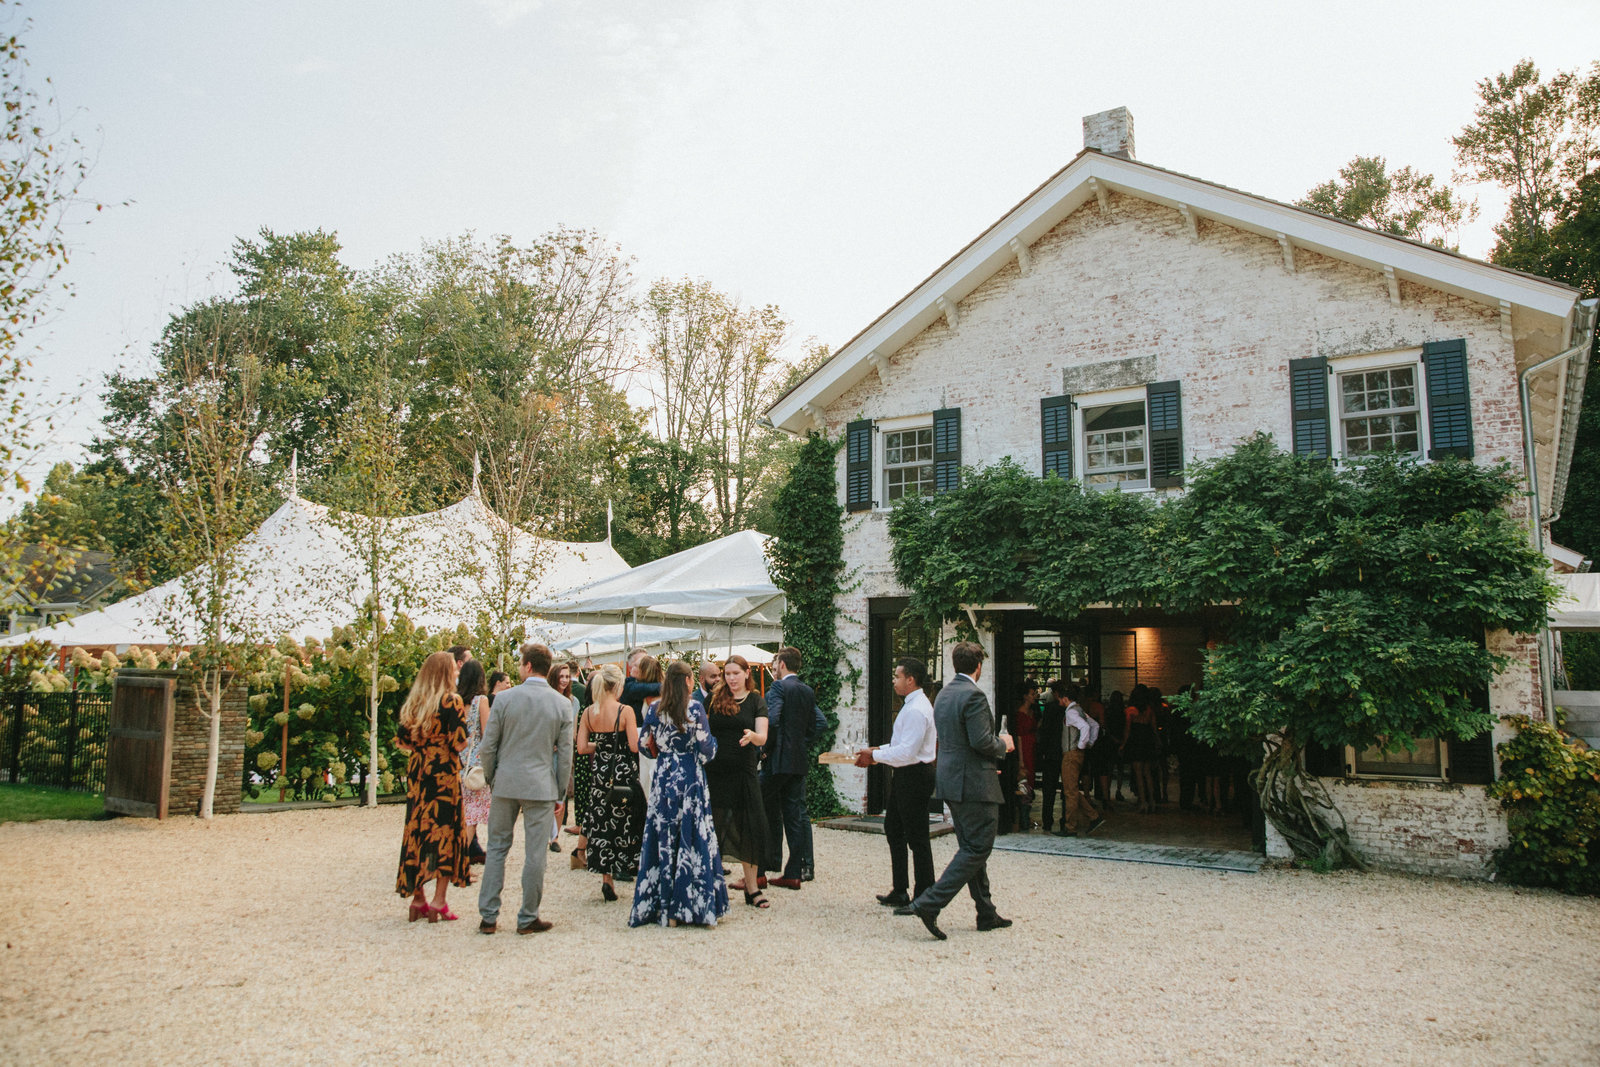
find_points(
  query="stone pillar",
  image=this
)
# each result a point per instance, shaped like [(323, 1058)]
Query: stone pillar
[(190, 733)]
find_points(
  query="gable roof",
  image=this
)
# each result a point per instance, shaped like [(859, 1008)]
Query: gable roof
[(1093, 174)]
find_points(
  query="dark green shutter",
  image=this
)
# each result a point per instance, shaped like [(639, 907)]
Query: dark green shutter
[(1472, 759), (1055, 431), (858, 465), (946, 449), (1164, 413), (1308, 393), (1449, 410)]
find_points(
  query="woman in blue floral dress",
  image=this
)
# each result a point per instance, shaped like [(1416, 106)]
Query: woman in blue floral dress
[(680, 866)]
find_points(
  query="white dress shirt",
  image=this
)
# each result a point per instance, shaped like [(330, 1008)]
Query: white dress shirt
[(1088, 729), (914, 740)]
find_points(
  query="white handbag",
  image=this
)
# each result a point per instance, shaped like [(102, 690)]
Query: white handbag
[(474, 778)]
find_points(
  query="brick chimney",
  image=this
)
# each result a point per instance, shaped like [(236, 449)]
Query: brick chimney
[(1110, 131)]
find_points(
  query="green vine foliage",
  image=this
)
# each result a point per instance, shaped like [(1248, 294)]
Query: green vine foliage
[(1550, 787), (1360, 595), (806, 555)]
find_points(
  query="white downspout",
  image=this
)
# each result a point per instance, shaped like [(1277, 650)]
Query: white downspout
[(1583, 337)]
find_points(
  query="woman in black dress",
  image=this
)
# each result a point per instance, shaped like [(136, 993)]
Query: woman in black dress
[(739, 726), (1143, 746), (608, 732)]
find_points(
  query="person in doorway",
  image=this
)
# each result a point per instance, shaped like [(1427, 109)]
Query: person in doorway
[(1025, 731), (1047, 750), (965, 780), (1142, 746), (1117, 726), (1079, 735), (527, 760), (739, 726), (911, 752), (433, 731), (1100, 758), (792, 721)]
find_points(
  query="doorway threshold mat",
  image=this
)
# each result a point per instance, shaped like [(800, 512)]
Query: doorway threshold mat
[(1211, 859)]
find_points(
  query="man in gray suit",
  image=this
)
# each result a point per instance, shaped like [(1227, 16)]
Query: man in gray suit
[(966, 780), (527, 761)]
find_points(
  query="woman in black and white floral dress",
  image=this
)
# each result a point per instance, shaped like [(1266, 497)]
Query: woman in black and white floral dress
[(607, 734)]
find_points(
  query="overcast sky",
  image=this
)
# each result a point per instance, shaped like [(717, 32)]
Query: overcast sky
[(824, 157)]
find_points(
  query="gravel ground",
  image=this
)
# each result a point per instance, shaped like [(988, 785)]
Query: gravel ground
[(277, 938)]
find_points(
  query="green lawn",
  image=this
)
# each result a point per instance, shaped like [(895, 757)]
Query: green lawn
[(30, 803)]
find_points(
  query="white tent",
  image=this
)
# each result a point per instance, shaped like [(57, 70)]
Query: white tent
[(721, 589), (306, 578), (1579, 608)]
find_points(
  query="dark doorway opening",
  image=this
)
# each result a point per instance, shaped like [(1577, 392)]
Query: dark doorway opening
[(889, 637)]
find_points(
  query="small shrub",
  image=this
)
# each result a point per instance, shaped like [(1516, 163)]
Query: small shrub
[(1550, 788)]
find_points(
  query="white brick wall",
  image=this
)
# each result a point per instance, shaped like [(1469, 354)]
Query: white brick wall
[(1221, 314)]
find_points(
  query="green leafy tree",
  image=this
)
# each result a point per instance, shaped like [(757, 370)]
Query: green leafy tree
[(1404, 202)]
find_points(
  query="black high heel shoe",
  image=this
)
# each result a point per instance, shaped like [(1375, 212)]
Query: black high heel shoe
[(607, 892)]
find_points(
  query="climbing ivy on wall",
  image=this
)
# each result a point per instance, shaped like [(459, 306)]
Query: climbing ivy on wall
[(806, 555), (1361, 595)]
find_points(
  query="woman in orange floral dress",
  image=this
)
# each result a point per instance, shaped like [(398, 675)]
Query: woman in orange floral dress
[(433, 729)]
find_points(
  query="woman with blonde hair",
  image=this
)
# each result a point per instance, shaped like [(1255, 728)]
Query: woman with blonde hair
[(433, 729), (608, 735)]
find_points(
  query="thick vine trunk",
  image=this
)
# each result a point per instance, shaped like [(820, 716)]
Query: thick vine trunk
[(1299, 807)]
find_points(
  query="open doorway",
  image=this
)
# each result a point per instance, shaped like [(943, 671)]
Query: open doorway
[(1122, 668)]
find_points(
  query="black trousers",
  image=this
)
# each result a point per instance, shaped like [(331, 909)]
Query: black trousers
[(905, 823), (1050, 770)]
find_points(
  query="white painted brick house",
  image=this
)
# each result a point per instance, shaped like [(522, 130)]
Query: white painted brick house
[(1123, 321)]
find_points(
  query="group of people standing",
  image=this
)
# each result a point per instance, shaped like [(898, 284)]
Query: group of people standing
[(665, 783)]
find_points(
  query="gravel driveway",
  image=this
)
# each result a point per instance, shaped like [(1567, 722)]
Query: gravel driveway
[(277, 939)]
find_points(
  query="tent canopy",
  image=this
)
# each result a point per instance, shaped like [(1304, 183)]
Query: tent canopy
[(721, 589), (306, 578), (1579, 609)]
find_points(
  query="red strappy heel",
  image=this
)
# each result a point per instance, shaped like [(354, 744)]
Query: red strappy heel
[(418, 910), (442, 913)]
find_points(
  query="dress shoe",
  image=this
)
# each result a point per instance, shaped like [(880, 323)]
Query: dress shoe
[(486, 928), (786, 883), (1099, 821), (931, 921), (995, 923), (893, 900), (906, 909), (555, 846), (538, 926)]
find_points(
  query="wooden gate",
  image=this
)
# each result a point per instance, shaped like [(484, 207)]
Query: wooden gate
[(139, 756)]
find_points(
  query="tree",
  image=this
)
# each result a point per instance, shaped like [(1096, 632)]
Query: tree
[(1535, 138), (369, 495), (1405, 202), (211, 492)]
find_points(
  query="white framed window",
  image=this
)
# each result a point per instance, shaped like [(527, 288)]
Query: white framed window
[(1380, 404), (1115, 440), (907, 462), (1429, 760)]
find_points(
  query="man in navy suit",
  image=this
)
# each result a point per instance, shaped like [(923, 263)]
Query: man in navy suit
[(966, 780), (793, 722)]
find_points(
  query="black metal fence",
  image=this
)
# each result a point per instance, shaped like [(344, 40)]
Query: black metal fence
[(55, 739)]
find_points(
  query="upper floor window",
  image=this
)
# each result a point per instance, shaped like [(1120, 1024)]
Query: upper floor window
[(908, 463), (1114, 446), (1379, 411)]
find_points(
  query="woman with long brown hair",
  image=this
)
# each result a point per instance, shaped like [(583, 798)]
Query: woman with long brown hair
[(680, 865), (739, 727), (473, 689), (433, 730)]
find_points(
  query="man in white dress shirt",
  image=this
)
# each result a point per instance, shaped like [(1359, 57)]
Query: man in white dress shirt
[(911, 751), (1078, 735)]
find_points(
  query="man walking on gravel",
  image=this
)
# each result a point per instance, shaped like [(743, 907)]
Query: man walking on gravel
[(966, 780), (527, 761)]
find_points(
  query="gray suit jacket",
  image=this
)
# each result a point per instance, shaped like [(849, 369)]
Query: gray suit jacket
[(968, 746), (527, 749)]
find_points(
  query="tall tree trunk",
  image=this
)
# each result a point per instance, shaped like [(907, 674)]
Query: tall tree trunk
[(213, 744)]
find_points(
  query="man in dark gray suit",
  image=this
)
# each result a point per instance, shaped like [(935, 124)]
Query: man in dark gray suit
[(966, 780), (527, 761)]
